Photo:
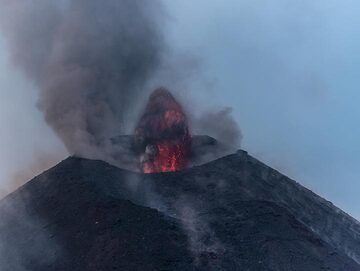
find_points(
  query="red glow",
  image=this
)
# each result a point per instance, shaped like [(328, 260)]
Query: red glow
[(162, 135), (170, 157)]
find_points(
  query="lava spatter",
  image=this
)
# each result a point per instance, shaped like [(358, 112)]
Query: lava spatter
[(162, 136)]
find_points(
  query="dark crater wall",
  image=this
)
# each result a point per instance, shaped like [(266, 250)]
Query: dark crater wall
[(234, 213)]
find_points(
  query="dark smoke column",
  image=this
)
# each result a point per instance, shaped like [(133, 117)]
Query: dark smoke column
[(90, 59), (162, 137)]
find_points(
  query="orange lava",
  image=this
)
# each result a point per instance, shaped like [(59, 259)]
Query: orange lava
[(162, 136), (170, 157)]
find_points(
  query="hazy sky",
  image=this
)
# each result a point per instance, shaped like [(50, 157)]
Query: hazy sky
[(289, 69), (27, 143)]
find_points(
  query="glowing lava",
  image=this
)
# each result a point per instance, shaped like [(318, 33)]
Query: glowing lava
[(162, 136)]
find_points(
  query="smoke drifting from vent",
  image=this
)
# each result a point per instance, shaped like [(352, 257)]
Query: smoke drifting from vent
[(221, 125), (90, 59), (94, 62)]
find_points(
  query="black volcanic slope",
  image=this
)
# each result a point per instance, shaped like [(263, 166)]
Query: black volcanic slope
[(234, 213)]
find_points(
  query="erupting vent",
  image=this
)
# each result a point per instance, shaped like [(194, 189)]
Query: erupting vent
[(162, 137)]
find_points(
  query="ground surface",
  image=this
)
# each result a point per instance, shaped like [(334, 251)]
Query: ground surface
[(234, 213)]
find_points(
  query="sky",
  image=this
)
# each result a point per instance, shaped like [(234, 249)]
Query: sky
[(28, 145), (289, 69)]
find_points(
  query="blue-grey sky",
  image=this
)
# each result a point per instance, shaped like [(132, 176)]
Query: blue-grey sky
[(27, 144), (289, 70)]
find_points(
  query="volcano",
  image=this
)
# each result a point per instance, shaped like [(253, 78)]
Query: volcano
[(233, 213)]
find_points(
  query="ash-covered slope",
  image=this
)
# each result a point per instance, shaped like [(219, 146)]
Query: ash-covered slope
[(231, 214)]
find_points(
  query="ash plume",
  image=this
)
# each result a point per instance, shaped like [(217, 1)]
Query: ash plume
[(221, 125), (90, 59), (95, 63)]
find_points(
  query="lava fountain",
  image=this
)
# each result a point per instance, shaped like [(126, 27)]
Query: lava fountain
[(162, 137)]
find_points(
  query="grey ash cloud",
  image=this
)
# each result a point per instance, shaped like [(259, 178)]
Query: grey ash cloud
[(95, 63), (91, 60)]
